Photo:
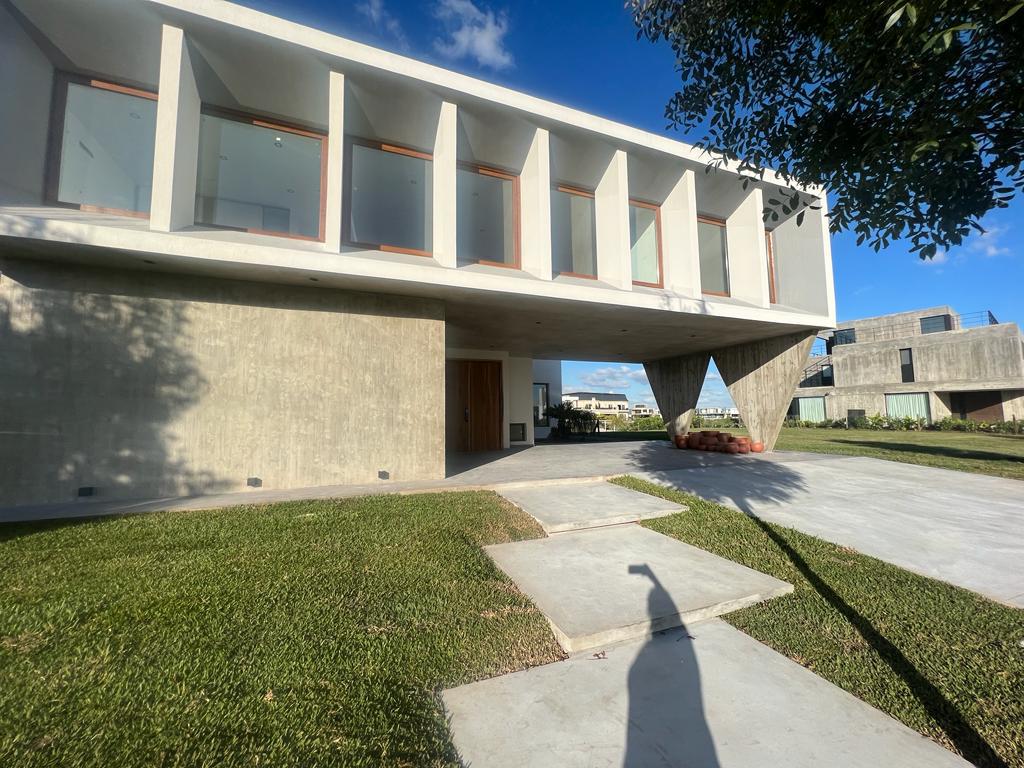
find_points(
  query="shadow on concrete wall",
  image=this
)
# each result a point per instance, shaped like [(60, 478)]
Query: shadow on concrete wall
[(665, 722), (91, 383)]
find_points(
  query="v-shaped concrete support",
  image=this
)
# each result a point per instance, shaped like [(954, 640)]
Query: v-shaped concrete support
[(761, 377), (676, 383)]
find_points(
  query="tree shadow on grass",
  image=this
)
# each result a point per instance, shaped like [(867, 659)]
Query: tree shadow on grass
[(967, 740), (933, 450)]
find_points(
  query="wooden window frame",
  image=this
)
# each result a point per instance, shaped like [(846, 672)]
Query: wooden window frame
[(702, 219), (579, 192), (488, 170), (657, 234), (55, 140), (769, 243), (298, 130), (383, 146)]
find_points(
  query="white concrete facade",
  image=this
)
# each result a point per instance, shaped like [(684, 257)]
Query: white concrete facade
[(198, 58)]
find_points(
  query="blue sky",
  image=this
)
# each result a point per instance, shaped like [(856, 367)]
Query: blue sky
[(584, 53)]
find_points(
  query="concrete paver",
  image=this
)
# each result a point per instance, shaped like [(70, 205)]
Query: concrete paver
[(705, 697), (961, 528), (594, 586), (574, 506)]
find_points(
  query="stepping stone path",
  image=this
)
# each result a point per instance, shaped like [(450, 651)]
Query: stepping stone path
[(697, 693)]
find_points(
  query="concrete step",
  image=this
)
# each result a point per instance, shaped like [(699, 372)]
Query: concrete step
[(574, 506), (606, 585), (706, 697)]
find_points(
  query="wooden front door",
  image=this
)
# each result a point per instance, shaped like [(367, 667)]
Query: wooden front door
[(476, 398)]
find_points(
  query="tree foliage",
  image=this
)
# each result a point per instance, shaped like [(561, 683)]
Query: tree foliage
[(910, 114)]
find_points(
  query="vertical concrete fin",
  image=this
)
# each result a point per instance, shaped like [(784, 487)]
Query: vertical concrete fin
[(445, 170), (611, 213), (334, 202), (679, 233), (535, 207), (676, 383), (177, 137), (761, 377)]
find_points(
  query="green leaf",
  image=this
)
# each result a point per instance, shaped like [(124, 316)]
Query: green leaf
[(1009, 13), (894, 17)]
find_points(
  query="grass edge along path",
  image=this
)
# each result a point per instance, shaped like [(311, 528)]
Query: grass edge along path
[(942, 660), (301, 633)]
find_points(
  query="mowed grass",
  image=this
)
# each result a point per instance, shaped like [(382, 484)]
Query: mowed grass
[(942, 660), (989, 454), (314, 633)]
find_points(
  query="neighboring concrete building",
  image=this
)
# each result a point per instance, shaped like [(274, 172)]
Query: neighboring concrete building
[(929, 363), (219, 230), (642, 411), (601, 403)]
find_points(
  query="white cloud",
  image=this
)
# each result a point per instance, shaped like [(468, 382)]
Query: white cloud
[(614, 377), (988, 242), (473, 33), (384, 21)]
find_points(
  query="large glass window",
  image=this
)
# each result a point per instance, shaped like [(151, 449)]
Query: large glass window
[(107, 138), (714, 256), (645, 243), (487, 215), (540, 405), (906, 365), (259, 177), (936, 324), (573, 236), (390, 200), (911, 405)]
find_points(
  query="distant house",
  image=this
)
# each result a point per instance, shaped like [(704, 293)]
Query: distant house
[(641, 410), (718, 413), (928, 364), (601, 403)]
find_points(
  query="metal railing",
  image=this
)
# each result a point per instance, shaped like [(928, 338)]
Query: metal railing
[(819, 374), (911, 328)]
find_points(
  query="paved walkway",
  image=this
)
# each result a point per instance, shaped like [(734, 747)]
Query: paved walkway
[(701, 695)]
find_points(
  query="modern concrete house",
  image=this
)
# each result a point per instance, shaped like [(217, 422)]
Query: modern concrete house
[(929, 363), (220, 230), (601, 403)]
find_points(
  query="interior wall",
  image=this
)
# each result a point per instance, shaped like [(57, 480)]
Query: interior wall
[(141, 384), (26, 82)]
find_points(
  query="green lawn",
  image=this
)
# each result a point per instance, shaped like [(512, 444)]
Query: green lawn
[(312, 633), (943, 660)]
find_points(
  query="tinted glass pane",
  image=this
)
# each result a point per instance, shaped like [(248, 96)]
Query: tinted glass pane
[(540, 405), (107, 149), (391, 199), (253, 177), (486, 218), (714, 268), (643, 244), (935, 324), (572, 234)]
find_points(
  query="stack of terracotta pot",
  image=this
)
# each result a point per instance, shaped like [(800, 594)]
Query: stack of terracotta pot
[(712, 440)]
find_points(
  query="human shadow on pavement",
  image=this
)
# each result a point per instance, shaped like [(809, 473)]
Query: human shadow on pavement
[(665, 722)]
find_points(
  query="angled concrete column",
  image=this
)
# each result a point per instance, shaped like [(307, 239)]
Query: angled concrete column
[(445, 172), (333, 203), (611, 211), (535, 207), (676, 383), (173, 203), (761, 377)]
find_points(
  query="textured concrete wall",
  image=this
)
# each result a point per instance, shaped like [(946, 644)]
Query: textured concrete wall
[(676, 383), (144, 384), (979, 358)]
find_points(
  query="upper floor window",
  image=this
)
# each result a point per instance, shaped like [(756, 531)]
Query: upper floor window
[(390, 198), (104, 147), (573, 234), (645, 243), (714, 256), (907, 365), (260, 177), (936, 324), (841, 336), (488, 216)]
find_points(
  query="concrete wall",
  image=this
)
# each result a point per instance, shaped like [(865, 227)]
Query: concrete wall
[(144, 384), (26, 82), (988, 357)]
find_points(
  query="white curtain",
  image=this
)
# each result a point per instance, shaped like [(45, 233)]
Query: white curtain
[(914, 405), (812, 408)]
